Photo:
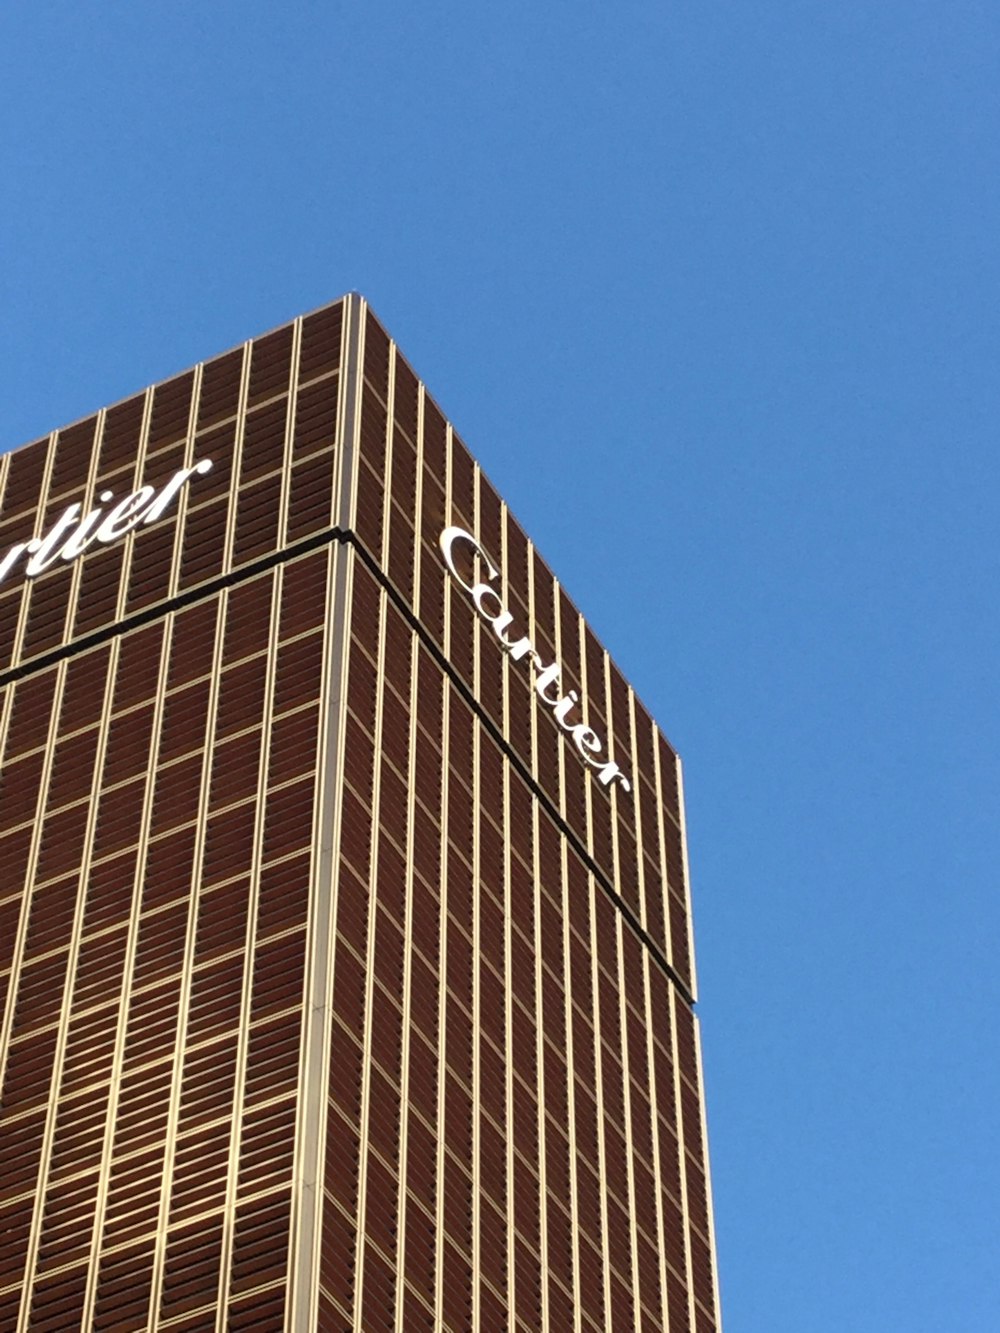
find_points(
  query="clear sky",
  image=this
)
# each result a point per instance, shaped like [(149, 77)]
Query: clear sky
[(711, 290)]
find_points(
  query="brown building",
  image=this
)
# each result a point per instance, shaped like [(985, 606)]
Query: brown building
[(344, 928)]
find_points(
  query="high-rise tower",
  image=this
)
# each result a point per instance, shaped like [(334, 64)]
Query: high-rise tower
[(344, 924)]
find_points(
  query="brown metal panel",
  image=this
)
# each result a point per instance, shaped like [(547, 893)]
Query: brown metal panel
[(510, 1118)]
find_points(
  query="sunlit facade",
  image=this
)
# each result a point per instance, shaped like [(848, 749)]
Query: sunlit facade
[(345, 943)]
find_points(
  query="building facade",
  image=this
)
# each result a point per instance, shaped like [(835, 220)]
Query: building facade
[(345, 941)]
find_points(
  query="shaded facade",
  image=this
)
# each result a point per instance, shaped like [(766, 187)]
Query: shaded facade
[(344, 986)]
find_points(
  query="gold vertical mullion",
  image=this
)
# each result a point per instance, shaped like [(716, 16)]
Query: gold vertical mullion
[(686, 886), (387, 492), (129, 541), (661, 839), (509, 1061), (627, 1126), (561, 749), (442, 1010), (594, 890), (288, 452), (76, 577), (419, 504), (305, 1238), (640, 867), (365, 1114), (505, 588), (449, 503), (407, 963), (7, 700), (404, 1074), (508, 950), (675, 1000), (661, 1230), (24, 611), (595, 981), (182, 500), (681, 1131), (543, 1204), (411, 785), (346, 490), (543, 1208), (234, 480), (443, 930), (567, 987), (477, 958), (705, 1164), (314, 1070), (65, 1009), (702, 1124), (611, 793), (384, 612), (89, 494), (312, 1116), (574, 1205), (647, 1004), (284, 500), (533, 635)]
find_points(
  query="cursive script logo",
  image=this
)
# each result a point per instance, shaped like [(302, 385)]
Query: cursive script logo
[(548, 685), (71, 535)]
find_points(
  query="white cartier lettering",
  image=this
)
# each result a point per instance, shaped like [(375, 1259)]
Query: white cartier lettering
[(71, 535), (547, 683), (563, 706), (46, 549), (126, 515), (447, 542), (169, 491), (84, 534)]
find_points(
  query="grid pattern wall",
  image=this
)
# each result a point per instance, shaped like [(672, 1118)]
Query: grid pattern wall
[(265, 414), (157, 800), (300, 882), (509, 782), (515, 1131), (413, 478)]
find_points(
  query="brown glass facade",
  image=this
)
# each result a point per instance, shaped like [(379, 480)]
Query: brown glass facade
[(338, 992)]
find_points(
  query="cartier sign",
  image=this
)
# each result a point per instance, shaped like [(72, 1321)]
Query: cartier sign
[(72, 534), (489, 604)]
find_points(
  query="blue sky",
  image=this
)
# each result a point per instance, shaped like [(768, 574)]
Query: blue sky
[(711, 291)]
